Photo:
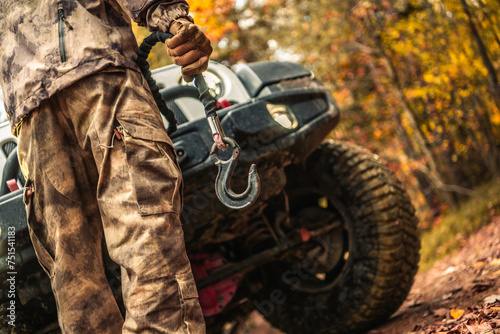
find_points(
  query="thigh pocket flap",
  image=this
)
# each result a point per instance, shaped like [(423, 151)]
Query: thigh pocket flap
[(153, 168)]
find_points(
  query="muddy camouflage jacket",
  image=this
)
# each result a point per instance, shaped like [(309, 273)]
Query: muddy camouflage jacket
[(46, 45)]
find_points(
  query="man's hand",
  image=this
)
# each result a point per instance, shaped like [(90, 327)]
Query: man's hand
[(190, 48)]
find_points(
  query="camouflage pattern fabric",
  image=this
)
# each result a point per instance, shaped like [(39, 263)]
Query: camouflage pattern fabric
[(98, 161), (47, 45)]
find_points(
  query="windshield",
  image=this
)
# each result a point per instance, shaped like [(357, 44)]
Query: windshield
[(3, 113)]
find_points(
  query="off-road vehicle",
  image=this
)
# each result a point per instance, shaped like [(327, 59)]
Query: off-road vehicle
[(330, 246)]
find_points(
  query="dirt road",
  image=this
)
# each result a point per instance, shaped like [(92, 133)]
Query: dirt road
[(465, 280), (457, 295)]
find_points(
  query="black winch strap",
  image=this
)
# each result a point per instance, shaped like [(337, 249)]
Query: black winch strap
[(142, 56)]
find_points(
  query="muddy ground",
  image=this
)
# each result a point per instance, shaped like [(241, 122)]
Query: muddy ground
[(458, 294)]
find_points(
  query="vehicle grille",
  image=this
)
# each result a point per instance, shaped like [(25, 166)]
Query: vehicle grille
[(8, 147)]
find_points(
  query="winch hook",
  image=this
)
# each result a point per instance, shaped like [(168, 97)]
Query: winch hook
[(226, 167), (223, 181)]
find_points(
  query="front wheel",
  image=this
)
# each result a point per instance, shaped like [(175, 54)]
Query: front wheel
[(357, 274)]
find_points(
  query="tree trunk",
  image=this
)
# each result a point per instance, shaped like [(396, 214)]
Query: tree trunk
[(488, 64), (417, 137), (486, 127), (417, 133)]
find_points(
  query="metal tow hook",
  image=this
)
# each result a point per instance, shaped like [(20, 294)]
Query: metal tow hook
[(223, 180), (226, 167)]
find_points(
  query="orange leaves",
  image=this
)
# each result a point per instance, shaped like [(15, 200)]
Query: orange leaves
[(343, 96), (212, 15), (495, 118), (456, 313)]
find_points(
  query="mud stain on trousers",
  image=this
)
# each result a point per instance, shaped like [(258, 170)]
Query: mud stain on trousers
[(98, 161)]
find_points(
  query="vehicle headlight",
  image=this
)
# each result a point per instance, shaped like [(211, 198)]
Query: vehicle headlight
[(283, 115), (214, 83)]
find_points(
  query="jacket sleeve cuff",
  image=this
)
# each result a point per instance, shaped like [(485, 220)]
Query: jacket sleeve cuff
[(161, 16)]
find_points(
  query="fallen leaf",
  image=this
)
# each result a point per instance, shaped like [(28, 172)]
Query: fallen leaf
[(496, 273), (482, 328), (456, 313), (496, 309), (495, 262), (492, 299)]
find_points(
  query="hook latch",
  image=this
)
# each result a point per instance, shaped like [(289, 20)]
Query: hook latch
[(223, 181)]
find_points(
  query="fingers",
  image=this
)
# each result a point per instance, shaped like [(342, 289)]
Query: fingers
[(180, 50), (195, 68), (190, 48), (187, 47), (205, 45), (178, 39), (189, 58), (197, 37)]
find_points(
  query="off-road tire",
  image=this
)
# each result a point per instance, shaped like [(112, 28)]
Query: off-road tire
[(383, 250)]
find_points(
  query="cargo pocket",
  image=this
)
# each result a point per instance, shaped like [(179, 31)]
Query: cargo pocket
[(152, 164), (168, 152), (58, 157), (44, 258), (192, 316)]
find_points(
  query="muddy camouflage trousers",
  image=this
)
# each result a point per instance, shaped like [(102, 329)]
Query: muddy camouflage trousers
[(98, 161)]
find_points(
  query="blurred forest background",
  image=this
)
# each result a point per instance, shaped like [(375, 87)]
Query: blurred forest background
[(417, 81)]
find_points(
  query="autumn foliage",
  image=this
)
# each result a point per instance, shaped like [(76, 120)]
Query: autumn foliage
[(213, 16), (417, 80)]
